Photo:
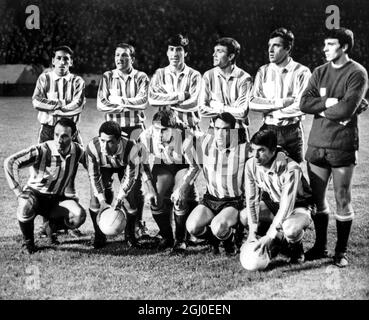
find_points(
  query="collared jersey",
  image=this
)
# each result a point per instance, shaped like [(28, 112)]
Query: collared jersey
[(233, 92), (272, 82), (50, 88), (128, 91), (282, 181), (127, 158), (50, 173), (157, 152), (223, 169), (165, 86)]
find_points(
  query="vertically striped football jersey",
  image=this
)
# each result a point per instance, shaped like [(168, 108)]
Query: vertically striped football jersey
[(50, 88), (223, 169), (165, 86), (123, 98), (127, 158), (50, 173), (232, 92), (272, 82)]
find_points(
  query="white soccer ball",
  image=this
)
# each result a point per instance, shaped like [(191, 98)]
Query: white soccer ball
[(112, 221), (253, 260)]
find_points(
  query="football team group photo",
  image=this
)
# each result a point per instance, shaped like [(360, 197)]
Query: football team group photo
[(138, 165)]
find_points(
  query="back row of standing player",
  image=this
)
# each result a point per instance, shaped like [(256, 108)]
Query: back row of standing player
[(283, 91)]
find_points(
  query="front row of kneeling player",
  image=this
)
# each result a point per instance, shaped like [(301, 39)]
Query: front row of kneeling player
[(278, 199)]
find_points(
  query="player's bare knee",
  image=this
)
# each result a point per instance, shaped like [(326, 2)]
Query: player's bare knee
[(243, 216), (343, 197), (292, 232), (25, 211), (76, 216), (219, 228)]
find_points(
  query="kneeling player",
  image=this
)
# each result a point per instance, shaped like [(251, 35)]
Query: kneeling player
[(285, 204), (50, 189), (107, 154), (222, 158), (163, 142)]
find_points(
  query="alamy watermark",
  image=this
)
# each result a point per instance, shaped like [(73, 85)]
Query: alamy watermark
[(33, 20)]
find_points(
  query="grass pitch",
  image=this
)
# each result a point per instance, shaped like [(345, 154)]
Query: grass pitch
[(74, 270)]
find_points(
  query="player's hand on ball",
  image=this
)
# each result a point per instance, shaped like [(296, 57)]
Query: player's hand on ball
[(263, 244)]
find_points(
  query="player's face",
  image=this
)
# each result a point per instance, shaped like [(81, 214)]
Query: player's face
[(176, 56), (62, 138), (123, 59), (221, 58), (332, 50), (109, 143), (161, 134), (263, 155), (62, 61), (277, 53), (222, 133)]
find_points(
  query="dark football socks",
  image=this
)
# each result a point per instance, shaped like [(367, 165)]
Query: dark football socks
[(343, 233)]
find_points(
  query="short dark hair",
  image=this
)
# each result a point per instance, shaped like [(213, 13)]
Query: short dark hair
[(266, 138), (166, 118), (128, 46), (63, 48), (343, 35), (286, 35), (111, 128), (227, 118), (67, 122), (232, 46), (179, 40)]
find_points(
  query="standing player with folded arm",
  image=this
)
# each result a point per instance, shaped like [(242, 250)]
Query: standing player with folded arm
[(335, 96), (58, 94), (226, 87), (276, 94), (177, 86), (122, 96)]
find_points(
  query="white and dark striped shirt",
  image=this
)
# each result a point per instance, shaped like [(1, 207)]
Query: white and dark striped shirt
[(223, 169), (51, 88), (128, 92), (50, 173), (127, 158), (282, 181), (166, 86), (232, 92), (271, 83), (155, 152)]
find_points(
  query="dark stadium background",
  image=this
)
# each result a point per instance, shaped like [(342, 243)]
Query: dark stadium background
[(93, 27)]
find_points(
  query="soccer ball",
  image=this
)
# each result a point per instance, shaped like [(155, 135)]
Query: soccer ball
[(253, 260), (112, 221)]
